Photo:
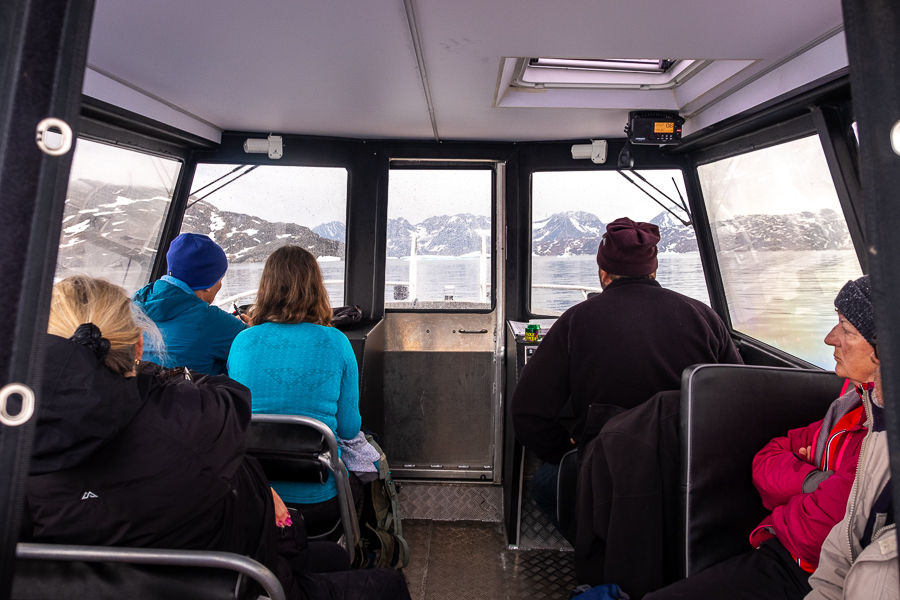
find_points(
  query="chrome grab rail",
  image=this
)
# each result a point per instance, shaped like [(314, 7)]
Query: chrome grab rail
[(152, 556)]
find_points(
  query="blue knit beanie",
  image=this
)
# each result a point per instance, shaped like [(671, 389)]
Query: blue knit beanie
[(196, 260), (854, 301)]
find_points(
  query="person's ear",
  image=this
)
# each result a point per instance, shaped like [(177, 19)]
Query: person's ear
[(139, 348)]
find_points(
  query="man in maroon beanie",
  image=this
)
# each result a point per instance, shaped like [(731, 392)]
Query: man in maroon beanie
[(619, 348)]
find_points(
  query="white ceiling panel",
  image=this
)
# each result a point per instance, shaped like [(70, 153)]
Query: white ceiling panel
[(348, 68), (317, 67)]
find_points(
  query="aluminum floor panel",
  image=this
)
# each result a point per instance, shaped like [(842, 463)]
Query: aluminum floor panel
[(451, 502), (471, 560)]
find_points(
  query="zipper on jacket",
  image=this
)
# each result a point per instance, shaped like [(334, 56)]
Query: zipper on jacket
[(862, 457)]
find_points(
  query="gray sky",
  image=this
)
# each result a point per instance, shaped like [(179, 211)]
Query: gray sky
[(417, 195), (307, 196), (783, 179), (788, 178), (603, 193), (117, 165)]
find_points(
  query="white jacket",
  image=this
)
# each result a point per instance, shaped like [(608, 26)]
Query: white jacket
[(846, 570)]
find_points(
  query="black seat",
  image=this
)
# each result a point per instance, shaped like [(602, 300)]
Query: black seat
[(53, 571), (303, 449), (728, 413)]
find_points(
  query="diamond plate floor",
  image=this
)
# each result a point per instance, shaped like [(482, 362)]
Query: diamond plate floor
[(536, 531), (471, 560), (451, 502)]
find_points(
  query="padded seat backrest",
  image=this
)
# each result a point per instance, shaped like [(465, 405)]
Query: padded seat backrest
[(728, 413), (288, 451)]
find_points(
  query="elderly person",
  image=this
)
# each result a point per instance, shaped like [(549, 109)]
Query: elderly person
[(197, 335), (127, 453), (804, 478), (618, 348), (859, 557)]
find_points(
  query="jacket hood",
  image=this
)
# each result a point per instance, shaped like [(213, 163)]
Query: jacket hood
[(162, 301), (82, 406)]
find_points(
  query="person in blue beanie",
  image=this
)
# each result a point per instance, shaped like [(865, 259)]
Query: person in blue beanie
[(197, 334)]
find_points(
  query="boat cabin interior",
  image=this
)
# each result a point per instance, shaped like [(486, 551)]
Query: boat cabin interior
[(452, 166)]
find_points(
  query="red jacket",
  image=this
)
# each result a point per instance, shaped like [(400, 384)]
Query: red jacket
[(799, 520)]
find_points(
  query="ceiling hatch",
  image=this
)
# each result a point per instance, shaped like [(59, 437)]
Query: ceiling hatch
[(614, 83)]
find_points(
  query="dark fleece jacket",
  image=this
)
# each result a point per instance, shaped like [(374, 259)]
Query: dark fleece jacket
[(618, 348), (144, 462)]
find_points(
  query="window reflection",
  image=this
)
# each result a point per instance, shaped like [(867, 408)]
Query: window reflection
[(116, 206), (783, 245)]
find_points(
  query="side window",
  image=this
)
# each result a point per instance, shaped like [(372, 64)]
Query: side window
[(116, 206), (251, 210), (439, 239), (783, 246), (570, 211)]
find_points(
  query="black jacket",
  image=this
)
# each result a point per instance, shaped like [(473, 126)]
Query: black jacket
[(144, 462), (628, 499), (618, 348)]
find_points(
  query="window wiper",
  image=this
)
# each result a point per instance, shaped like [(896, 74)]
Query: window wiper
[(221, 186), (687, 223)]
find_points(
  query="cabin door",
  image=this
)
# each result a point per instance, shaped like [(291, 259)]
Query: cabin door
[(443, 323)]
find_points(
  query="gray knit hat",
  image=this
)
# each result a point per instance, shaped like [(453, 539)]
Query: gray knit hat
[(854, 301)]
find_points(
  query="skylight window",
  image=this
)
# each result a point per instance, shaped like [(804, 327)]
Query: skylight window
[(605, 73), (620, 65)]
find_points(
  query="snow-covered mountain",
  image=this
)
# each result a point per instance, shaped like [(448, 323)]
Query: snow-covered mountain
[(111, 221), (445, 235), (574, 232), (247, 239), (580, 232), (821, 230), (334, 230), (674, 235)]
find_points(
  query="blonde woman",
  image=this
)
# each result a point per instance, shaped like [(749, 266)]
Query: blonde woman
[(130, 454)]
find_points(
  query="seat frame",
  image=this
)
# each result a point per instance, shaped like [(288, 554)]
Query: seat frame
[(151, 556), (332, 461)]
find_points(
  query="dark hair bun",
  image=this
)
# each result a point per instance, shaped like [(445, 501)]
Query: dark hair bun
[(89, 335)]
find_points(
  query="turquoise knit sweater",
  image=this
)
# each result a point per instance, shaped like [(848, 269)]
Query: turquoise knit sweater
[(301, 369)]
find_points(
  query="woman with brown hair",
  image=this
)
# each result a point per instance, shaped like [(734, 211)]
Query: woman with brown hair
[(294, 362)]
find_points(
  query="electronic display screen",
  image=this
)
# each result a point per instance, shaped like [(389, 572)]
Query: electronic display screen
[(662, 127)]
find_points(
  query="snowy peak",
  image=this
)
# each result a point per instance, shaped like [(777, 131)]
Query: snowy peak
[(444, 235), (674, 236), (334, 230), (821, 230), (574, 232), (248, 239)]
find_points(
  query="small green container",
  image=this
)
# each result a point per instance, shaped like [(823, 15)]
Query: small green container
[(532, 332)]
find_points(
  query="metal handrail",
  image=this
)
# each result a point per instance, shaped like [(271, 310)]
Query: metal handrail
[(337, 468), (153, 556)]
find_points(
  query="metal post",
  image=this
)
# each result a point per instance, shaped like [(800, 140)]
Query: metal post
[(482, 269), (413, 268)]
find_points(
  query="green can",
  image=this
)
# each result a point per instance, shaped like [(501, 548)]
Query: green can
[(532, 332)]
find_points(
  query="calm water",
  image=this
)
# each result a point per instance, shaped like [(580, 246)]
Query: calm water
[(782, 298)]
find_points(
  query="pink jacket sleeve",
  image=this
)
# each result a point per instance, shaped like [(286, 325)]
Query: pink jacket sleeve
[(778, 469), (803, 523)]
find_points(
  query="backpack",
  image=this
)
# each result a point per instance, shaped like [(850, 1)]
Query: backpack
[(381, 542)]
